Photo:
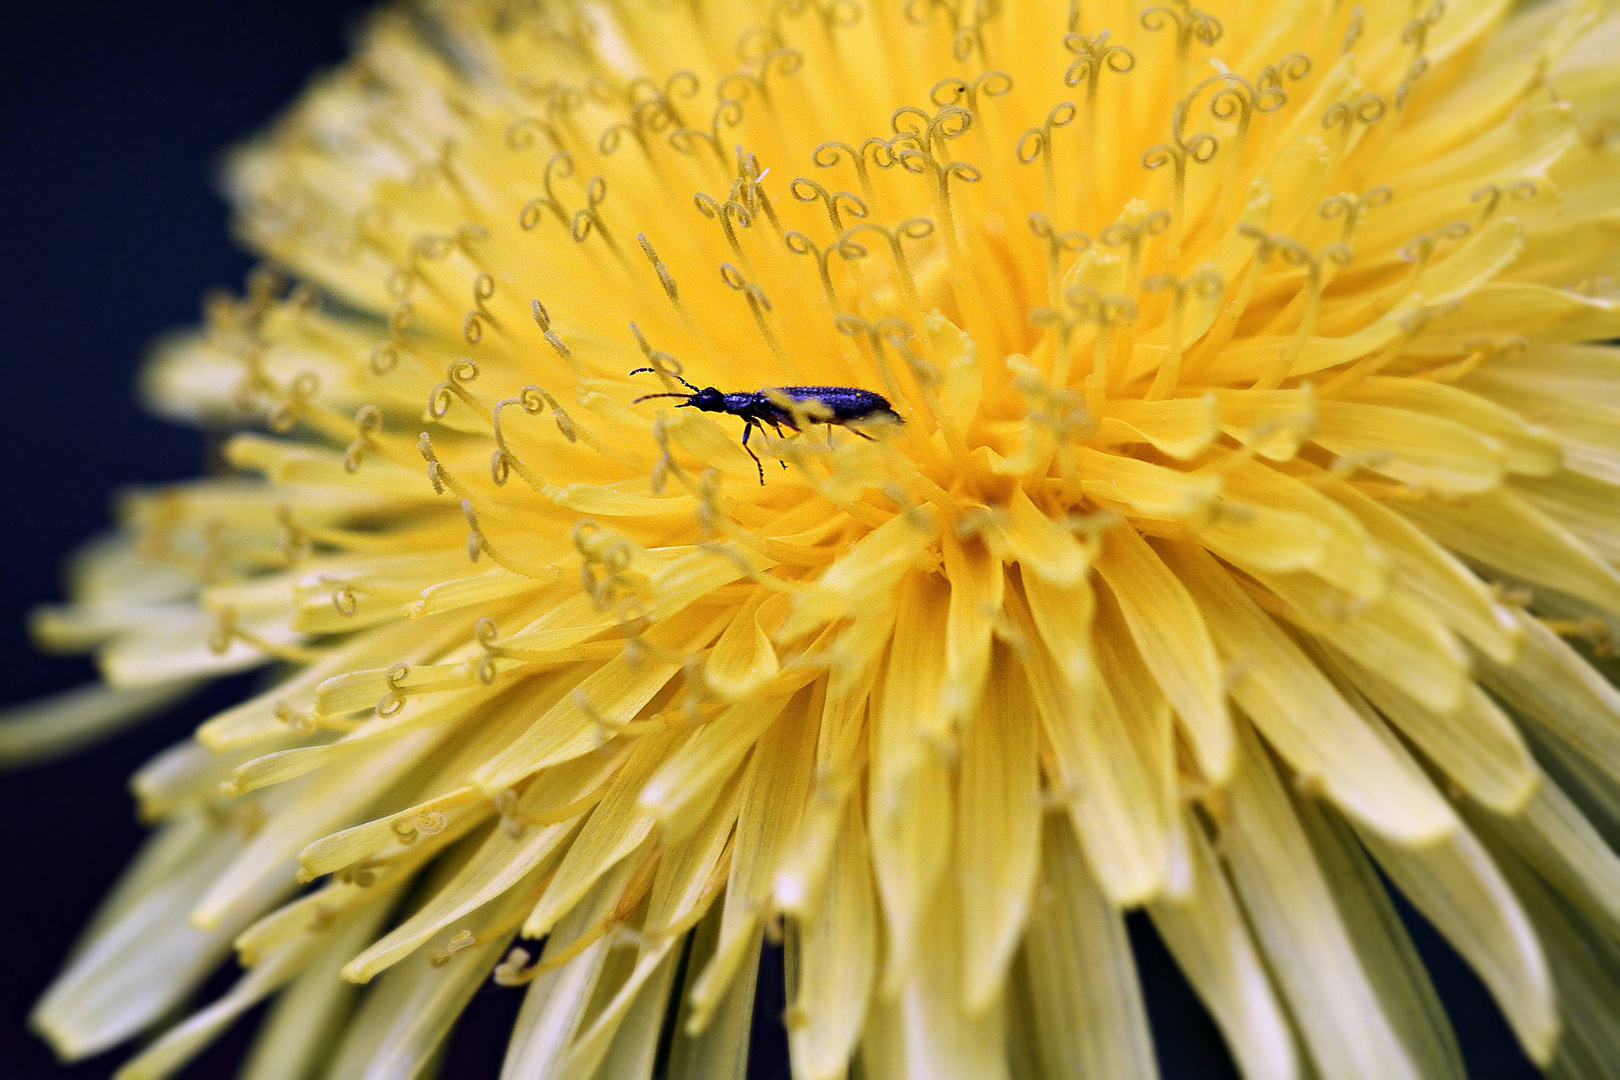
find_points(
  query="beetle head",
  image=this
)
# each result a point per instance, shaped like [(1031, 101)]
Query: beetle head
[(708, 400)]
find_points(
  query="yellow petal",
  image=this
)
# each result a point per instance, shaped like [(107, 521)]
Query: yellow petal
[(1504, 531), (1475, 745), (1113, 796), (618, 825), (911, 724), (1174, 643), (1450, 590), (862, 576), (1349, 562), (977, 582), (998, 844), (1180, 427), (1045, 548), (911, 845), (1301, 714)]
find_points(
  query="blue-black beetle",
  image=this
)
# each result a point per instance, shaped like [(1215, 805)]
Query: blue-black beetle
[(756, 409)]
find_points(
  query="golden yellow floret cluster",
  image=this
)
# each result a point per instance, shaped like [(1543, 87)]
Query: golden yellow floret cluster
[(1251, 522)]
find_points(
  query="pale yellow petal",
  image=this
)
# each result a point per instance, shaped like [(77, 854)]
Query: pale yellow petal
[(1551, 685), (138, 959), (680, 793), (1583, 967), (59, 724), (185, 1040), (1063, 616), (402, 1022), (1582, 504), (1426, 452), (1089, 1015), (501, 863), (720, 1050), (931, 1036), (1525, 449), (630, 1046), (773, 793), (1206, 933), (326, 801), (1397, 975), (1556, 839), (554, 1005), (1290, 904), (836, 960), (583, 720), (692, 871), (618, 825), (1042, 546), (1458, 888), (304, 1021)]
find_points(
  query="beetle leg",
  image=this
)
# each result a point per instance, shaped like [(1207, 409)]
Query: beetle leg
[(748, 429), (857, 431), (777, 427)]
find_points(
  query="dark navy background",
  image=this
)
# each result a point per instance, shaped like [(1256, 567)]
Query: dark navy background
[(111, 119)]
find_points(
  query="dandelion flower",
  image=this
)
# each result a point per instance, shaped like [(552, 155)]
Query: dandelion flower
[(1243, 539)]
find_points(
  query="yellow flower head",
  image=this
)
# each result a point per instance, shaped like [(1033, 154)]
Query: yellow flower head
[(1193, 493)]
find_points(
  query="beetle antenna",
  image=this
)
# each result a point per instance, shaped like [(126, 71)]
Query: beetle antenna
[(648, 397), (672, 375)]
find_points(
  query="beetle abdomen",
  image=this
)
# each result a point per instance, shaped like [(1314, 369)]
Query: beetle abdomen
[(846, 402)]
